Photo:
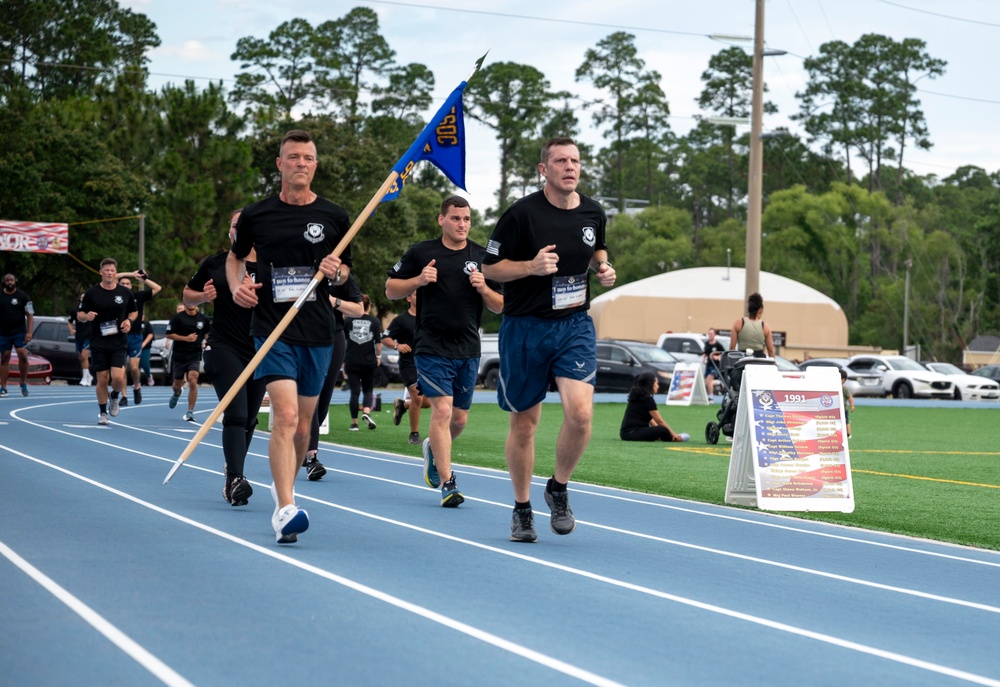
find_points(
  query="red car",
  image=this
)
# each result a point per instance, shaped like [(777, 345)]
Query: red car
[(39, 370)]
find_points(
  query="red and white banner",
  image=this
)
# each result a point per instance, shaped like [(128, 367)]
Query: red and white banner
[(34, 237)]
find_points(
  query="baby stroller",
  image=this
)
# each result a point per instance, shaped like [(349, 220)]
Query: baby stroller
[(730, 368)]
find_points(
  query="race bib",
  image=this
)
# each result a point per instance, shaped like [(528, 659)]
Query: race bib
[(109, 328), (569, 292), (288, 283)]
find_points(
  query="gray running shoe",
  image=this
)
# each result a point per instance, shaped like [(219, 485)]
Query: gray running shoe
[(562, 520), (522, 525), (172, 403), (415, 438), (113, 407), (102, 419), (188, 416)]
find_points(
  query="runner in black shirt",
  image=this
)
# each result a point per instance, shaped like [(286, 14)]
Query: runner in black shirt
[(295, 234), (542, 250), (111, 311), (364, 354), (17, 317), (135, 337), (401, 336), (80, 331), (346, 302), (447, 275), (228, 352), (187, 330)]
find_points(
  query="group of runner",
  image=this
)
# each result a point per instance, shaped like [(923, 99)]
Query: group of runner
[(534, 269)]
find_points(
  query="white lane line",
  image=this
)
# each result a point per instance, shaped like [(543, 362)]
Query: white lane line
[(504, 644), (133, 649), (458, 626), (705, 549)]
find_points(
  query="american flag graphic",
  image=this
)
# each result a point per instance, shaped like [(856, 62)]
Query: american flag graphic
[(34, 237), (799, 443)]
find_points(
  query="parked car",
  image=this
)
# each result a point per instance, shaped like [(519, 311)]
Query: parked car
[(619, 362), (50, 339), (489, 360), (39, 370), (903, 377), (859, 382), (159, 353), (687, 347), (988, 371), (967, 387)]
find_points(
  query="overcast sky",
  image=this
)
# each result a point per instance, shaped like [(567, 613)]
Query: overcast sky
[(961, 108)]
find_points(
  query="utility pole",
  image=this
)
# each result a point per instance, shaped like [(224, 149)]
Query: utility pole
[(906, 309), (755, 188)]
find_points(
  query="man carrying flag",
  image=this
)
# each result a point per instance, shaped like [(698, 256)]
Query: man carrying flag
[(442, 142), (294, 234)]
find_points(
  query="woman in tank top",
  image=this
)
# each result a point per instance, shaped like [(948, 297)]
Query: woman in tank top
[(752, 333)]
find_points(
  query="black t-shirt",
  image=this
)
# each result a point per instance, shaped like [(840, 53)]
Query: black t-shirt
[(81, 330), (403, 329), (362, 335), (529, 225), (147, 329), (290, 241), (449, 310), (141, 298), (113, 307), (14, 308), (349, 292), (637, 413), (711, 348), (230, 322), (185, 325)]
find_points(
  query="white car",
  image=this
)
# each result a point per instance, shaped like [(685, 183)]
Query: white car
[(688, 347), (967, 387), (903, 377)]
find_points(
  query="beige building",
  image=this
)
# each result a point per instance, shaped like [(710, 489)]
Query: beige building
[(695, 299)]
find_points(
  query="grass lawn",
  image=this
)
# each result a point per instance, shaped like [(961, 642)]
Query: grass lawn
[(925, 472)]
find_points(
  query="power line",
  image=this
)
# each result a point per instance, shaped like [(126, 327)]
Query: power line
[(549, 19), (938, 14)]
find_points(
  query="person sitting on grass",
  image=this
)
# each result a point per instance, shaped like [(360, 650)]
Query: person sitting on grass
[(642, 421)]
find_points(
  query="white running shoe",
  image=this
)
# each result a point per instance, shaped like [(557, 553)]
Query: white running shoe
[(288, 522)]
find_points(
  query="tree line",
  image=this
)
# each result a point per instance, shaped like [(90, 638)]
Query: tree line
[(85, 138)]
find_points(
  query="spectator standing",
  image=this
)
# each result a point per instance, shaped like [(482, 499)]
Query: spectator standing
[(187, 330), (710, 358), (17, 320), (542, 249), (110, 308), (752, 333)]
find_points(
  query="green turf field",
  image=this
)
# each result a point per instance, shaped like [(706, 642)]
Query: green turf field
[(926, 472)]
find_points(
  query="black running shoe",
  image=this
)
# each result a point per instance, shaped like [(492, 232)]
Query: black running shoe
[(237, 490), (137, 395), (123, 401), (398, 409), (314, 469), (451, 497), (522, 525)]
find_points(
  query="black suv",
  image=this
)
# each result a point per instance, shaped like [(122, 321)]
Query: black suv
[(51, 340), (619, 362)]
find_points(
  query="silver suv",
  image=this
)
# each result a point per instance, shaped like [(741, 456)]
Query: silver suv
[(688, 347)]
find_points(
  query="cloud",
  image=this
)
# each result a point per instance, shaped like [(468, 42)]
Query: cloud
[(190, 51)]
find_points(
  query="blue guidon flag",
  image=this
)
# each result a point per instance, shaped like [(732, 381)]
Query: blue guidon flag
[(442, 143)]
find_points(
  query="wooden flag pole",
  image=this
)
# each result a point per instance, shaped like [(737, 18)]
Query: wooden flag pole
[(280, 328)]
